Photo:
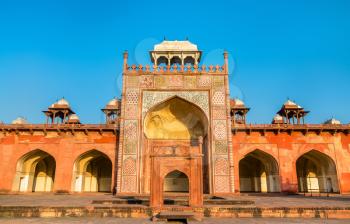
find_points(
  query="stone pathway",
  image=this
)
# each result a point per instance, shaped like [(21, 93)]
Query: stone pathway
[(145, 221), (274, 221), (38, 199), (79, 200), (299, 201)]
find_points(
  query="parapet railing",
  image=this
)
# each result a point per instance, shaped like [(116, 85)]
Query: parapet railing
[(285, 127), (171, 69), (293, 125), (9, 127)]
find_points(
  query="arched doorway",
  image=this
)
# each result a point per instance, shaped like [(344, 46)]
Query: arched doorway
[(176, 182), (317, 173), (175, 132), (176, 122), (92, 173), (35, 172), (258, 172)]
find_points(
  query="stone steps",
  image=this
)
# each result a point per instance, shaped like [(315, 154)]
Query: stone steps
[(180, 201)]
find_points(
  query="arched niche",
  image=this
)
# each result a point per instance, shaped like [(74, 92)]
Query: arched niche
[(176, 181), (92, 172), (176, 60), (317, 173), (175, 119), (258, 172), (189, 60), (35, 172), (162, 61)]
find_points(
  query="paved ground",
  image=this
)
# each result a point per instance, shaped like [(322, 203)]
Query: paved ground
[(260, 201), (86, 199), (42, 199), (141, 221), (299, 201)]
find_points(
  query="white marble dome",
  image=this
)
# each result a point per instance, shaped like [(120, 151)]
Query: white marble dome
[(290, 103), (175, 46), (73, 117), (63, 102), (332, 121), (113, 102), (20, 120), (238, 102), (278, 117)]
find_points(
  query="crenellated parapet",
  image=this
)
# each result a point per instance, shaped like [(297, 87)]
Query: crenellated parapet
[(59, 128), (175, 69), (289, 128)]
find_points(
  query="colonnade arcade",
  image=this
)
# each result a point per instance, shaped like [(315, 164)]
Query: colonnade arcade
[(178, 60), (35, 172), (316, 172), (258, 171)]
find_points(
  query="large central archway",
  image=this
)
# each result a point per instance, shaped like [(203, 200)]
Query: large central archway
[(35, 172), (175, 119), (92, 173), (258, 172), (317, 173), (175, 134)]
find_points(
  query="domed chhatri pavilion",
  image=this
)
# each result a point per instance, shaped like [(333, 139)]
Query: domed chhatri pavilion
[(175, 129)]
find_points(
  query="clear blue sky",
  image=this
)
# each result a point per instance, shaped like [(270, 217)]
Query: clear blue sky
[(291, 48)]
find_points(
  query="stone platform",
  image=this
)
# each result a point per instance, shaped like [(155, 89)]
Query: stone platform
[(108, 220), (106, 205)]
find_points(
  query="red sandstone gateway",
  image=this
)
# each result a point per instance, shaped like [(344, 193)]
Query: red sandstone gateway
[(175, 130)]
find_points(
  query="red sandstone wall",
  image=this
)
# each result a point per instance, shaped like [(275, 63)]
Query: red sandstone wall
[(65, 148), (287, 148)]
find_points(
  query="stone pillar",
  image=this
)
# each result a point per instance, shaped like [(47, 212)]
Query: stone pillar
[(226, 61), (125, 62), (288, 173), (63, 174)]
